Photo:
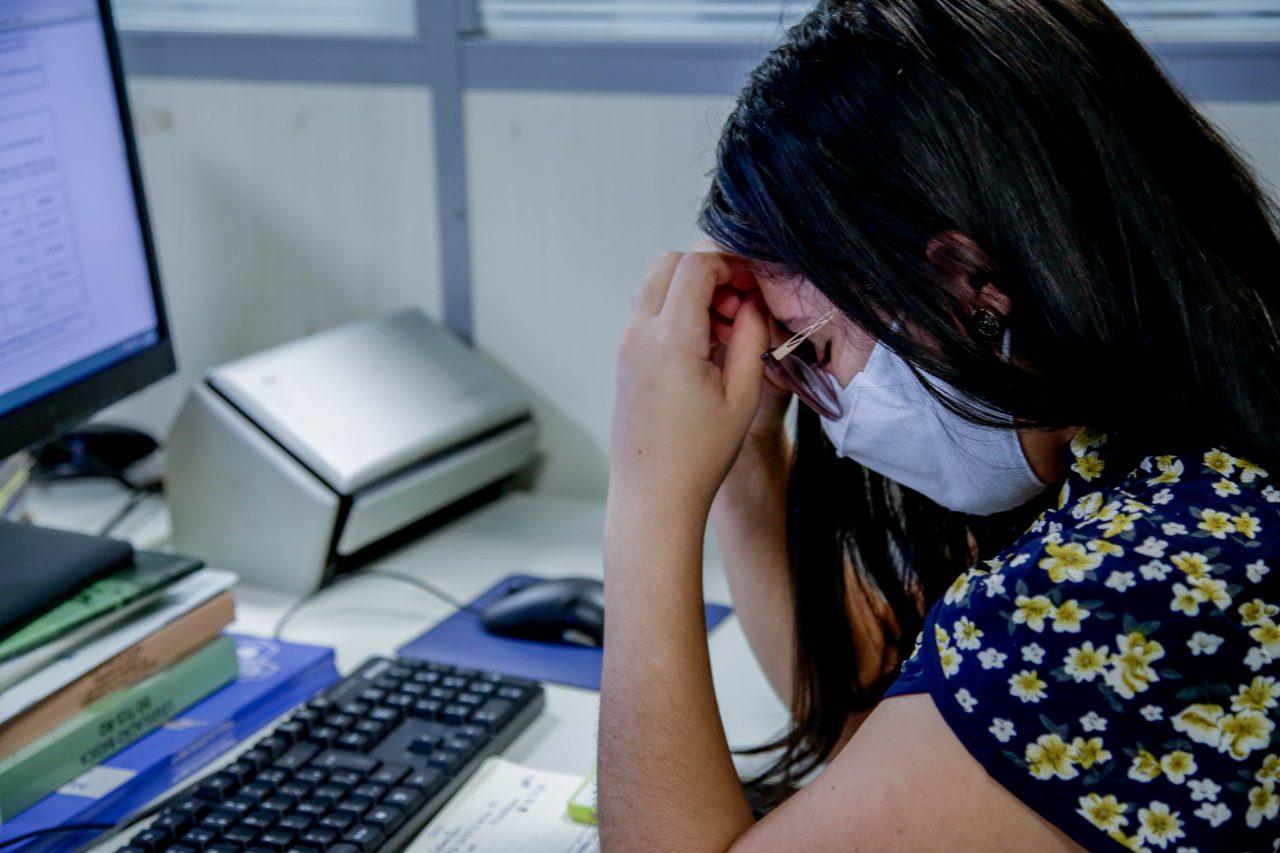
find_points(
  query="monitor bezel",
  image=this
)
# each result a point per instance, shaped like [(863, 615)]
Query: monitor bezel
[(53, 414)]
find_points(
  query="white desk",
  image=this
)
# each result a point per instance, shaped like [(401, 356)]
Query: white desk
[(520, 533)]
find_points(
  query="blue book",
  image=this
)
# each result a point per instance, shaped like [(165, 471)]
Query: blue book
[(462, 641), (274, 676)]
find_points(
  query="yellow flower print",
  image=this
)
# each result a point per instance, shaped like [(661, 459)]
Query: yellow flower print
[(1088, 507), (1270, 770), (1223, 463), (1249, 471), (1068, 561), (1218, 524), (1129, 842), (1064, 496), (1084, 662), (1171, 471), (1244, 732), (1068, 616), (957, 590), (1187, 599), (1247, 525), (940, 637), (1131, 672), (1178, 765), (1107, 549), (1108, 512), (1268, 636), (1120, 524), (1213, 589), (968, 634), (1145, 767), (1158, 825), (1032, 611), (1089, 466), (1264, 804), (1193, 565), (1087, 753), (1048, 757), (949, 659), (1106, 813), (1200, 723), (1028, 686), (1261, 694), (1085, 440), (1137, 507), (1257, 611), (1226, 488)]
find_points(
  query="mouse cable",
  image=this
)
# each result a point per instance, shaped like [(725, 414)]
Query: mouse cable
[(425, 586), (139, 494)]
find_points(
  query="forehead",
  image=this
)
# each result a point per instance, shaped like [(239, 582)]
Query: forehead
[(791, 299)]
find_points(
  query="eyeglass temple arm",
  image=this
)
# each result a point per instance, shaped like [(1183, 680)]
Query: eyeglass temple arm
[(784, 350)]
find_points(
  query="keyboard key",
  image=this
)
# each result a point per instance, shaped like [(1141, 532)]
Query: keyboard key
[(426, 709), (425, 744), (332, 759), (473, 699), (339, 820), (428, 781), (456, 714), (279, 806), (371, 790), (375, 729), (340, 721), (355, 709), (173, 824), (275, 744), (277, 839), (444, 694), (483, 688), (493, 714), (219, 820), (217, 788), (464, 746), (385, 715), (387, 683), (151, 840), (400, 701), (385, 818), (346, 778), (256, 792), (259, 820), (400, 671), (200, 838), (274, 776), (240, 805), (223, 848), (446, 759), (311, 776), (330, 792), (313, 808), (389, 774), (365, 837), (295, 790), (257, 758), (407, 799), (298, 823), (373, 695), (241, 835), (180, 848), (427, 677), (414, 689), (241, 771), (297, 756), (354, 804), (323, 735), (354, 741), (515, 694), (455, 682), (324, 836), (467, 673)]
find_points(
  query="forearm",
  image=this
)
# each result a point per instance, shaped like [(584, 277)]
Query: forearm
[(749, 516), (666, 778)]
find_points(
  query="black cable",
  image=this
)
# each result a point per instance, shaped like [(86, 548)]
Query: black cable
[(426, 587), (135, 500)]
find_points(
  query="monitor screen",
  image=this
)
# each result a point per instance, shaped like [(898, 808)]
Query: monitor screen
[(81, 319)]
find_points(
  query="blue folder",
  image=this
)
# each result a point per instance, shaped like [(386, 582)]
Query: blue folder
[(462, 641)]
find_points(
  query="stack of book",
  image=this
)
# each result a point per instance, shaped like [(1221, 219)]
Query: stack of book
[(106, 666), (15, 474)]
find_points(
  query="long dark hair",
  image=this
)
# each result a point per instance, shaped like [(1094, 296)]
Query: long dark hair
[(1139, 255)]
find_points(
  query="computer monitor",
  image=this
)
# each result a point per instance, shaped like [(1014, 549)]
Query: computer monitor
[(82, 322)]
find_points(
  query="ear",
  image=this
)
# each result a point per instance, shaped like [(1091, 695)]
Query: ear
[(970, 270)]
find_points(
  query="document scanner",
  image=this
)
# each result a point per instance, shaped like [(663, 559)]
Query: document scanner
[(285, 464)]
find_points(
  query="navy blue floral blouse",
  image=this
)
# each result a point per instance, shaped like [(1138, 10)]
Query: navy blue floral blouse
[(1116, 667)]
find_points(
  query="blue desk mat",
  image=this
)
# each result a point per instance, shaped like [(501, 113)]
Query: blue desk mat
[(462, 641)]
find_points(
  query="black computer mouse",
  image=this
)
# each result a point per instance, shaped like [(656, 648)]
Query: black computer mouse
[(565, 610), (93, 450)]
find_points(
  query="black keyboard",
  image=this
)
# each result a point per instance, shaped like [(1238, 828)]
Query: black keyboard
[(360, 768)]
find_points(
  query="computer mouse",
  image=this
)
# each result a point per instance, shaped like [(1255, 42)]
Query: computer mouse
[(564, 610), (93, 450)]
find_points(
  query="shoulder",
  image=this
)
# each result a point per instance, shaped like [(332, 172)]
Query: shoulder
[(1114, 662)]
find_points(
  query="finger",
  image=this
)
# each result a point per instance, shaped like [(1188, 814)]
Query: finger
[(721, 329), (743, 367), (689, 295), (653, 293), (726, 301)]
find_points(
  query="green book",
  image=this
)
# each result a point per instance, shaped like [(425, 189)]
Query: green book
[(111, 724), (150, 573)]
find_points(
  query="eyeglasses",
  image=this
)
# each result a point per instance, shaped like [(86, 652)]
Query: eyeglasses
[(794, 365)]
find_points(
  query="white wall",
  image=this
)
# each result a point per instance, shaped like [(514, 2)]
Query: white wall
[(572, 197), (279, 210)]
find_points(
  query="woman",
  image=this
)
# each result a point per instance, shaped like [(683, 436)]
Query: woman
[(1035, 295)]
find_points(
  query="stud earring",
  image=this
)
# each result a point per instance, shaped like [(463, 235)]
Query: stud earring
[(988, 324)]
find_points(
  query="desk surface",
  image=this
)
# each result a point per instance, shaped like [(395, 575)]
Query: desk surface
[(520, 533)]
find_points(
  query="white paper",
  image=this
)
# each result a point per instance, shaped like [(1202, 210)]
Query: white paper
[(507, 807)]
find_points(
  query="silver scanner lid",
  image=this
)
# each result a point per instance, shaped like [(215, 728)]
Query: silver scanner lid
[(360, 402)]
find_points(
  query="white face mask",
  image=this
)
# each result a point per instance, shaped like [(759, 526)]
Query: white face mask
[(895, 427)]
